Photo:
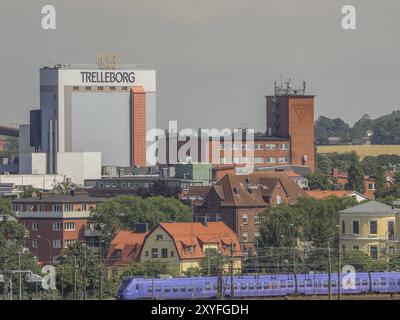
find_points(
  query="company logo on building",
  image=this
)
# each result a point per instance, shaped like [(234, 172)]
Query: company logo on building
[(107, 77)]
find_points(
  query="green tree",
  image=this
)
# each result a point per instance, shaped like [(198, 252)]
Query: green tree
[(355, 177), (318, 181)]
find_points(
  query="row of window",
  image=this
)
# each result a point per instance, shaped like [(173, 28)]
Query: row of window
[(245, 236), (245, 219), (54, 207), (163, 253), (56, 243), (242, 160), (257, 146), (112, 88), (373, 228), (57, 226)]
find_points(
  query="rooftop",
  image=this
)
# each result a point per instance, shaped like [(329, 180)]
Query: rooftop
[(61, 198), (372, 207)]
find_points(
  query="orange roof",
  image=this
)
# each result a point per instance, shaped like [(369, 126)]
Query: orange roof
[(129, 243), (196, 234), (322, 194)]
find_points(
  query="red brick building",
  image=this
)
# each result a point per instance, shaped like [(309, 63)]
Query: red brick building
[(238, 200), (54, 221)]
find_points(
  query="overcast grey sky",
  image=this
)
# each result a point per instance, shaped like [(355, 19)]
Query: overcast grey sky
[(215, 59)]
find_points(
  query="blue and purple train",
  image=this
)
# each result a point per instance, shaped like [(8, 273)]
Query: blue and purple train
[(252, 286)]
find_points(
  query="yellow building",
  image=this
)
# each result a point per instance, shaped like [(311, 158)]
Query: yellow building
[(183, 245), (370, 227)]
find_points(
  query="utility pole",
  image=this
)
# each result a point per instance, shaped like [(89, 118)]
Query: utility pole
[(19, 277), (330, 271), (101, 275), (74, 277), (232, 285), (339, 273)]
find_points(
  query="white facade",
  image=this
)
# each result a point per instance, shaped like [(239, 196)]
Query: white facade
[(38, 181), (32, 163), (79, 166)]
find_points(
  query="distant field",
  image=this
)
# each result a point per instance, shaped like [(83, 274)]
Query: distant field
[(361, 150)]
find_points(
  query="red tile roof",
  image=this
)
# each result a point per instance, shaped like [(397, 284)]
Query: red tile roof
[(129, 243), (323, 194), (186, 234)]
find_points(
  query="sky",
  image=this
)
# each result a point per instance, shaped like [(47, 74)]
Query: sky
[(215, 59)]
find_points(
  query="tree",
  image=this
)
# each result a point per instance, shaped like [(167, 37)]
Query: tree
[(318, 181), (149, 269), (355, 177), (78, 273), (125, 212)]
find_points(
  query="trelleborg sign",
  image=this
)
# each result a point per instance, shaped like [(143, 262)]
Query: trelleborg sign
[(107, 77)]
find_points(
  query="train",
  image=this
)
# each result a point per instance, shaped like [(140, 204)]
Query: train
[(254, 286)]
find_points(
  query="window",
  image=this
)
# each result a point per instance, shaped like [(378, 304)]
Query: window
[(390, 230), (35, 243), (343, 227), (158, 288), (256, 234), (167, 289), (183, 288), (154, 253), (270, 159), (244, 236), (146, 254), (159, 237), (245, 219), (172, 254), (56, 207), (57, 243), (256, 219), (243, 286), (221, 146), (278, 199), (174, 288), (284, 146), (41, 207), (35, 226), (164, 253), (117, 253), (258, 146), (69, 226), (259, 160), (356, 227), (371, 186), (283, 159), (356, 247), (373, 227), (373, 251), (68, 243), (57, 226), (270, 146), (68, 207)]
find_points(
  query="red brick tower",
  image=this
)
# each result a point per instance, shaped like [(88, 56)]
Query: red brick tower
[(138, 126), (290, 113)]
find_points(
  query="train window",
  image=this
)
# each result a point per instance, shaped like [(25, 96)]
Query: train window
[(301, 284), (333, 282), (376, 282), (290, 284), (266, 285), (158, 289), (183, 288), (318, 284), (149, 289), (175, 288), (364, 282), (235, 285), (251, 286), (190, 288), (357, 282), (283, 284), (392, 282), (207, 286), (258, 285), (383, 281), (214, 286), (326, 284), (243, 286), (309, 283), (167, 289)]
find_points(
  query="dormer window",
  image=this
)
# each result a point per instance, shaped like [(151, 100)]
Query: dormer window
[(159, 237), (117, 253)]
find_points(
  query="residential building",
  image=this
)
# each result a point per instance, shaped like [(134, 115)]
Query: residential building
[(371, 227), (184, 245), (238, 200), (340, 180), (54, 221), (125, 249)]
